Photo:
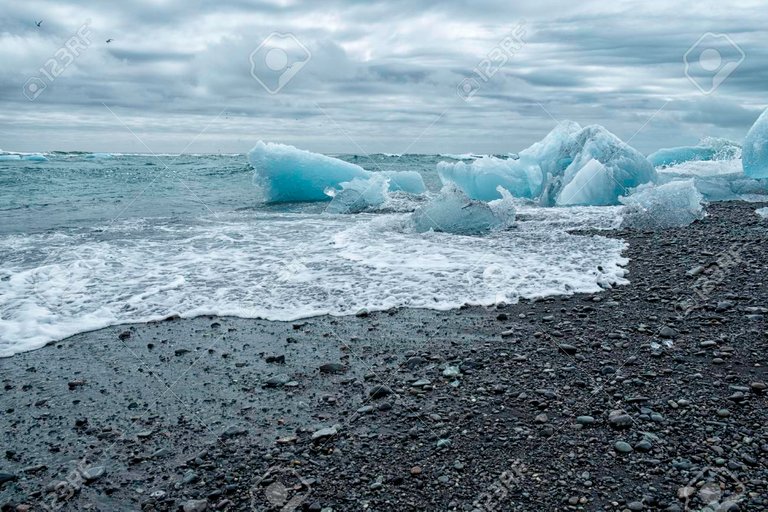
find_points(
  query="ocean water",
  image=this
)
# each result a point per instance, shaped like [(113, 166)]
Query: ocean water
[(87, 243)]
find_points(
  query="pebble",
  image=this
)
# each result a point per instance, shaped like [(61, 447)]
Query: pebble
[(444, 443), (541, 418), (668, 332), (195, 506), (379, 391), (622, 447), (585, 420), (415, 470), (567, 349), (333, 368), (277, 381), (324, 433), (723, 413), (620, 419)]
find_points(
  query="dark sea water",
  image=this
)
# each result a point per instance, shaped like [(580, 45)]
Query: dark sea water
[(90, 242)]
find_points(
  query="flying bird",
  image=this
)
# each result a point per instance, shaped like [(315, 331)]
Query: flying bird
[(109, 40), (38, 23)]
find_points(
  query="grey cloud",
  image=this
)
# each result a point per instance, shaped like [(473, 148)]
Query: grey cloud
[(380, 71)]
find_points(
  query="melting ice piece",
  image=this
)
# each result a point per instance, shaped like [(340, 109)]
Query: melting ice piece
[(481, 178), (755, 153), (762, 212), (674, 204), (35, 157), (9, 157), (570, 166), (359, 195), (285, 173), (709, 148), (717, 180), (453, 212), (623, 168)]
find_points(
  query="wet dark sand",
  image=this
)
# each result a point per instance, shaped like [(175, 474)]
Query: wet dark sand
[(513, 408)]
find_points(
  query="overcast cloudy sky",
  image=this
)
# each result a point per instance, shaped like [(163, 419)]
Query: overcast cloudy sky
[(374, 76)]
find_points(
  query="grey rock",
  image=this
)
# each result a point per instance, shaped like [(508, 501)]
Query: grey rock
[(379, 391), (277, 381), (93, 473), (195, 506)]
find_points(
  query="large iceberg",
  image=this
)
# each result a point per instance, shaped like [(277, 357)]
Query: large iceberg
[(651, 207), (284, 174), (570, 166), (452, 211), (755, 152), (709, 148)]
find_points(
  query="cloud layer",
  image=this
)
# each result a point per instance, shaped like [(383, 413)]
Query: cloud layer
[(376, 77)]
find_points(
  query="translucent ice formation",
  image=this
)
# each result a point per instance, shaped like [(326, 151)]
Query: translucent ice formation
[(359, 195), (717, 180), (755, 153), (35, 157), (453, 212), (762, 212), (709, 148), (284, 173), (481, 178), (570, 166), (674, 204), (8, 156)]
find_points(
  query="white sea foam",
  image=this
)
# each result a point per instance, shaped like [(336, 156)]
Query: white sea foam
[(283, 266)]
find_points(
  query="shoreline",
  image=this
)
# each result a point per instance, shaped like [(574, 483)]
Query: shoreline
[(628, 399)]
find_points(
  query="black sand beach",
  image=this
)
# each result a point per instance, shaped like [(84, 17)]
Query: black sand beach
[(638, 398)]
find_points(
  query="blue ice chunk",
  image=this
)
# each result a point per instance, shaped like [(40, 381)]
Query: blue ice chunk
[(284, 173), (570, 166), (481, 178), (709, 148), (755, 153), (762, 212), (8, 156), (359, 195), (653, 207), (36, 157), (405, 181), (621, 168), (452, 211)]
